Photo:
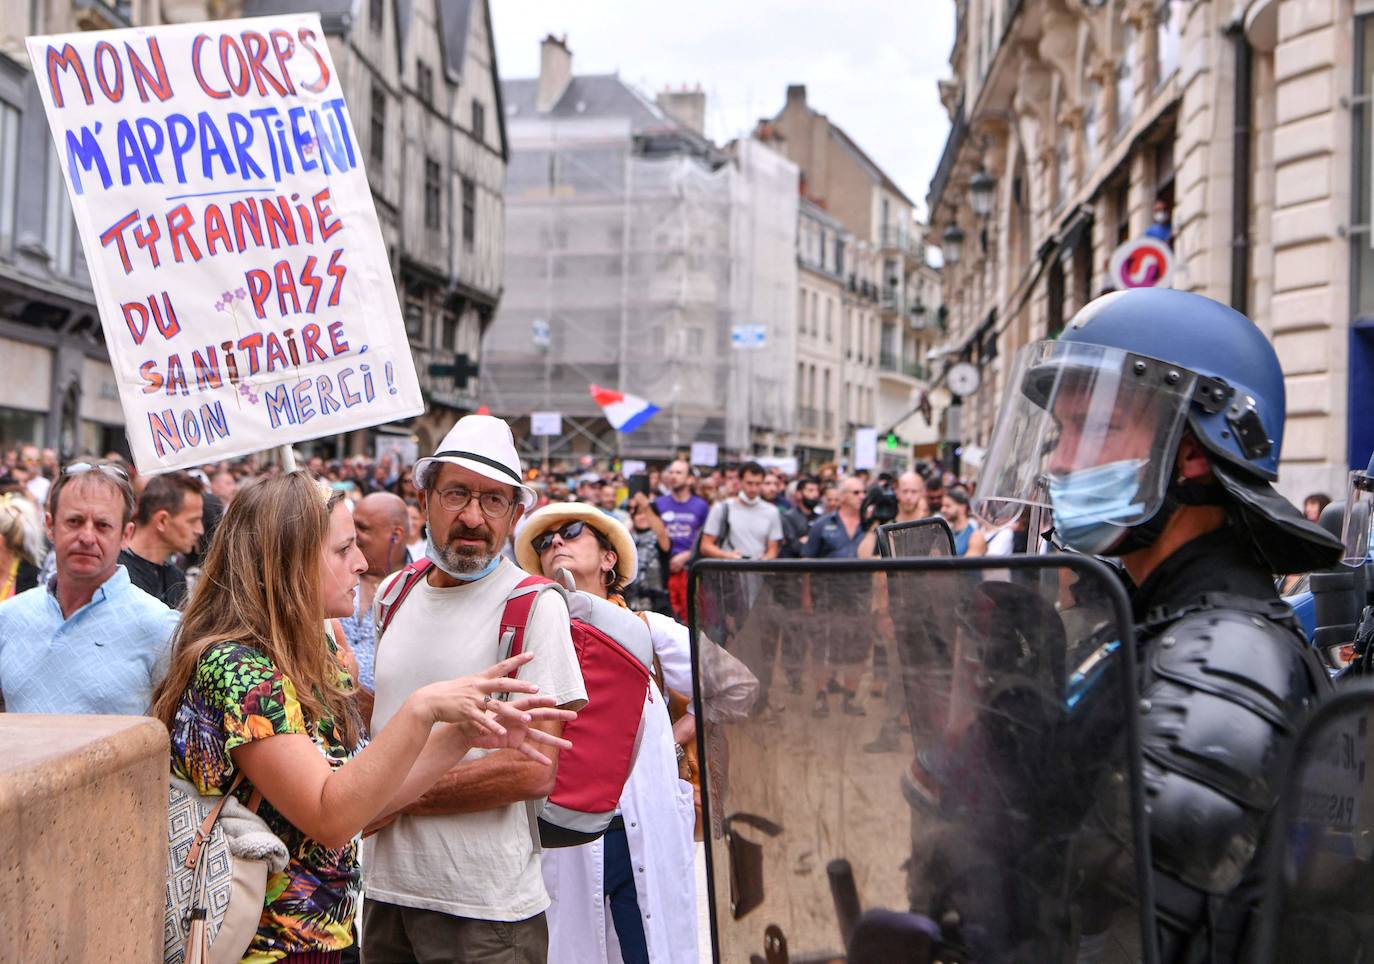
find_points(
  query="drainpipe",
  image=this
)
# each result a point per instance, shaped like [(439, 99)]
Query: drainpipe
[(1242, 169)]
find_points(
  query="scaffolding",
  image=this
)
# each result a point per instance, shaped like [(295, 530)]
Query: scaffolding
[(630, 259)]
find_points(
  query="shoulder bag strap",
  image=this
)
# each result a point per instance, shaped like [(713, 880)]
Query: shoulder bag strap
[(207, 825)]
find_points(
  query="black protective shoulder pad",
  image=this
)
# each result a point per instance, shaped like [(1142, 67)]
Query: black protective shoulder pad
[(1224, 693)]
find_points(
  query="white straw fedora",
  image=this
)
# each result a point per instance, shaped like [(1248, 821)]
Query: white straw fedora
[(481, 444)]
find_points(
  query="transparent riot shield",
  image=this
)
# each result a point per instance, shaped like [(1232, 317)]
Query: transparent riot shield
[(1321, 882), (976, 798), (921, 539)]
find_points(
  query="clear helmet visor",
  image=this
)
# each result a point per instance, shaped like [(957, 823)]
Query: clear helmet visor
[(1359, 516), (1089, 433)]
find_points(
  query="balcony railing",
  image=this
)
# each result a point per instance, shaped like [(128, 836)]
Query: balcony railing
[(901, 239), (810, 418), (890, 362)]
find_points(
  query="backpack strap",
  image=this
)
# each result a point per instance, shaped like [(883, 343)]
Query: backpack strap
[(396, 593), (515, 618)]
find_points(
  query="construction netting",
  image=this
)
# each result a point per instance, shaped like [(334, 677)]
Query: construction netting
[(631, 267)]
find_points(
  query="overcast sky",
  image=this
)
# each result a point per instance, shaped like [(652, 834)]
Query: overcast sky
[(870, 65)]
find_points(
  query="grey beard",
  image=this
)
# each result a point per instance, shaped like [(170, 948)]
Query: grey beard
[(458, 561)]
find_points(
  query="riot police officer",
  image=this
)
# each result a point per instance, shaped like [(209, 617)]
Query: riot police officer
[(1151, 428)]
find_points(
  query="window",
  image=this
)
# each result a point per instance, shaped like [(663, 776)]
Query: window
[(1054, 288), (469, 213), (9, 174), (375, 14), (434, 195), (1168, 26), (377, 125), (479, 121), (58, 222), (1121, 210), (1360, 437), (829, 324), (424, 81), (450, 337), (1360, 232), (1092, 92), (1125, 79), (1061, 169)]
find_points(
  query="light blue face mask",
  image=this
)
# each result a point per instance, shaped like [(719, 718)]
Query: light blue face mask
[(433, 556), (1094, 507)]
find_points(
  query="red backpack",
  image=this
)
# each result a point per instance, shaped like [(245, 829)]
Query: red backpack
[(614, 651)]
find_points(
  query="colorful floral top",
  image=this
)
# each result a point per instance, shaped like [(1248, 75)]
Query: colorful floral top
[(236, 696)]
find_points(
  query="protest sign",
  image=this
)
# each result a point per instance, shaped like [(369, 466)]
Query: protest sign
[(234, 249), (546, 423), (705, 453), (865, 448), (401, 449)]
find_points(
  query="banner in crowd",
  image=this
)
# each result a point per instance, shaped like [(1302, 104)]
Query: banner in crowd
[(238, 265)]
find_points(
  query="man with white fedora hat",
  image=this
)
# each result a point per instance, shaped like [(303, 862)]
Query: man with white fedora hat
[(457, 876)]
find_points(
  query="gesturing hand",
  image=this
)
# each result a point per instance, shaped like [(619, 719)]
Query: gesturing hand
[(524, 736), (468, 702)]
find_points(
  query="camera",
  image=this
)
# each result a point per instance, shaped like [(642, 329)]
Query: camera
[(879, 506)]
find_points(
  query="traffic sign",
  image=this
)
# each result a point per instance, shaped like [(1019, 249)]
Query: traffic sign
[(748, 336), (540, 332), (1142, 263)]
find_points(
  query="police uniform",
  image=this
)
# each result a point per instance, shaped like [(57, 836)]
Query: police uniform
[(1095, 420)]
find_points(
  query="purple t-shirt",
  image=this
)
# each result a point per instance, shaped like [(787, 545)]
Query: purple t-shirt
[(683, 520)]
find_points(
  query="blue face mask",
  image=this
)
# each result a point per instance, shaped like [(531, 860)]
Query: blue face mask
[(1094, 507), (433, 556)]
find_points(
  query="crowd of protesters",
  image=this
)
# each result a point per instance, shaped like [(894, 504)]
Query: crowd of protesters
[(242, 605)]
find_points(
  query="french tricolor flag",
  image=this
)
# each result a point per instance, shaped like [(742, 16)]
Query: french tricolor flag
[(625, 412)]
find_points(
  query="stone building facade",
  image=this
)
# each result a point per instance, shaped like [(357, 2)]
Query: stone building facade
[(56, 385), (882, 323), (1246, 124)]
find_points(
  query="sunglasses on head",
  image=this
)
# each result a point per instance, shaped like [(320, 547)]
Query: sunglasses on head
[(108, 468), (568, 532)]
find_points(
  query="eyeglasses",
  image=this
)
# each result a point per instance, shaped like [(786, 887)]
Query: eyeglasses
[(493, 504), (567, 533), (113, 470)]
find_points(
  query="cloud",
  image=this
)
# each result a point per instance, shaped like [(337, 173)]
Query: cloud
[(870, 65)]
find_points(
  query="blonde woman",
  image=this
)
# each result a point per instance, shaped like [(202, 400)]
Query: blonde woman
[(255, 686), (22, 545)]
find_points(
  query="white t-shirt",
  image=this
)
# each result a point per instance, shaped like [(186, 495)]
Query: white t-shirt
[(749, 528), (1001, 541), (38, 488), (479, 865)]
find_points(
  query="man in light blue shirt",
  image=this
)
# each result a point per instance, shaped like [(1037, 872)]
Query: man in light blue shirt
[(87, 641)]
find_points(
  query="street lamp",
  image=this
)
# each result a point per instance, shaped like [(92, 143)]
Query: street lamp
[(952, 241), (980, 188)]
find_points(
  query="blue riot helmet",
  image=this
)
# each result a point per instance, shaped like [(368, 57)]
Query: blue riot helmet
[(1359, 515), (1091, 423)]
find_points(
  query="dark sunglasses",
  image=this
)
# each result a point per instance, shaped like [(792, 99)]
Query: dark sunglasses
[(568, 532)]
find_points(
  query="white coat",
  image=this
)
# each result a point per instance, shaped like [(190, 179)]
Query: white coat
[(659, 818)]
